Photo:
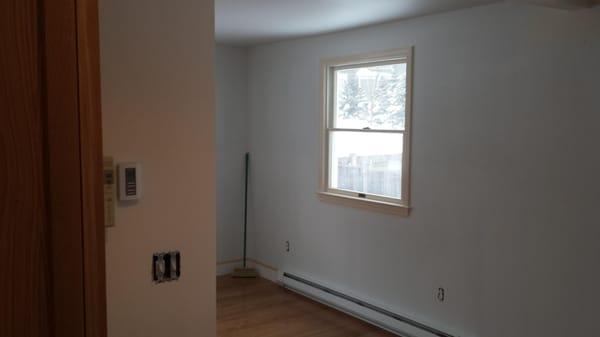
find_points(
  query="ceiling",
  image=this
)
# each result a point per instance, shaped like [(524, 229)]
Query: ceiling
[(248, 22)]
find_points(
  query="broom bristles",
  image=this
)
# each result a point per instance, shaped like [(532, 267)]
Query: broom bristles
[(244, 273)]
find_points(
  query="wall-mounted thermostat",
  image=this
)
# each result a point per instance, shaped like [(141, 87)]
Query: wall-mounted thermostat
[(129, 181)]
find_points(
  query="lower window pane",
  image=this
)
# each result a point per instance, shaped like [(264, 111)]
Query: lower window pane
[(366, 162)]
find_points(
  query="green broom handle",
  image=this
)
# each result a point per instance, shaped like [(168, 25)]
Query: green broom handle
[(246, 204)]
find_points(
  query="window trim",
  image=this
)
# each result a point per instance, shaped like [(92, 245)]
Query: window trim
[(348, 198)]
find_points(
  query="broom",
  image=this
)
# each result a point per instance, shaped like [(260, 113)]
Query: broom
[(244, 271)]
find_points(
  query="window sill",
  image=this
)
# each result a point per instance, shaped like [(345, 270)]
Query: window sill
[(371, 205)]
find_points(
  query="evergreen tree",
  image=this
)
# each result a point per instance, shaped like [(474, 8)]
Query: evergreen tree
[(397, 97), (380, 103), (352, 98)]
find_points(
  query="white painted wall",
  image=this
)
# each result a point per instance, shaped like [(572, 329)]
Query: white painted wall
[(158, 109), (231, 103), (505, 172)]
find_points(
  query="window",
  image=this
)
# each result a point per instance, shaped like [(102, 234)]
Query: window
[(366, 131)]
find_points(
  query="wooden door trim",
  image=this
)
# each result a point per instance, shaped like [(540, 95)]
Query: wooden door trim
[(74, 157), (63, 168), (88, 51)]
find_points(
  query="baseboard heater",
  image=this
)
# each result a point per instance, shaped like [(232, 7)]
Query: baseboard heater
[(368, 312)]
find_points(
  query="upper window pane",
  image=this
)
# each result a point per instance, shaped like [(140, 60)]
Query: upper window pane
[(370, 97)]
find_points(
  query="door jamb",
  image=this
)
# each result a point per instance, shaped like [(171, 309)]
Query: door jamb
[(70, 54)]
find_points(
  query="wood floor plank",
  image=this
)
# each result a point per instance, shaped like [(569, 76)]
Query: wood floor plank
[(260, 308)]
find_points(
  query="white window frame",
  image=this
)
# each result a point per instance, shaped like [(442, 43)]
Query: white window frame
[(349, 198)]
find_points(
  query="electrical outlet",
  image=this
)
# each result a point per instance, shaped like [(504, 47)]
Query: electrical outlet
[(287, 246), (166, 267), (440, 294)]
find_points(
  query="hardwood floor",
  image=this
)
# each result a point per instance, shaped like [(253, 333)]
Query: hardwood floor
[(260, 308)]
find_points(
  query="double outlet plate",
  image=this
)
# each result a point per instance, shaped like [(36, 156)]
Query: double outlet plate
[(166, 267)]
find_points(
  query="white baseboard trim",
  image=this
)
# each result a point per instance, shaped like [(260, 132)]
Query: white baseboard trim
[(264, 270), (227, 267)]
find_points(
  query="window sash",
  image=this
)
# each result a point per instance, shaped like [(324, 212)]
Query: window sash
[(332, 87), (366, 196), (367, 130), (357, 194)]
